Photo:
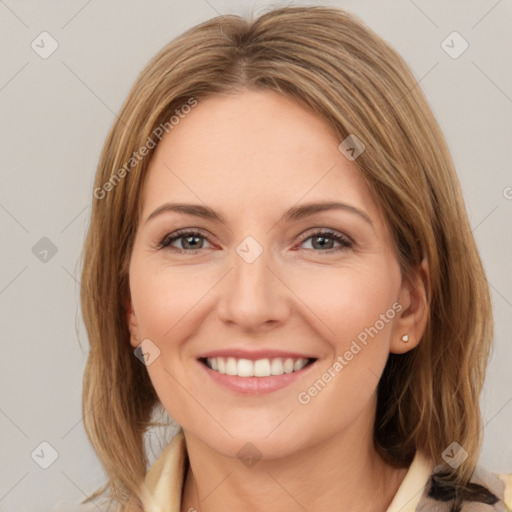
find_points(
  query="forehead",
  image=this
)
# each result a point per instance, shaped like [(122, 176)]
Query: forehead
[(251, 149)]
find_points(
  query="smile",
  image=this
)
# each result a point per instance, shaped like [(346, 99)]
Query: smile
[(258, 375)]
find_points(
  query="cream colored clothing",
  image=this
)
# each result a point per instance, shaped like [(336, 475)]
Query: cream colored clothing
[(164, 483)]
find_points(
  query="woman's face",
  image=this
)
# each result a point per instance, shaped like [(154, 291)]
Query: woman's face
[(265, 289)]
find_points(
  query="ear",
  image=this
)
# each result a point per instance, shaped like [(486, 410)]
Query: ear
[(133, 324), (412, 319)]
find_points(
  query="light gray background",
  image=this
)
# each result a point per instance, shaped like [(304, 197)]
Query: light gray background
[(55, 114)]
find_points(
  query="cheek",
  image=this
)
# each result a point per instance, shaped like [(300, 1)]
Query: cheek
[(352, 302), (359, 307), (163, 297)]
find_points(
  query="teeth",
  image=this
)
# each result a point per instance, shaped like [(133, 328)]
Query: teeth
[(276, 367), (262, 368), (298, 365), (258, 368), (288, 366), (231, 366), (245, 368)]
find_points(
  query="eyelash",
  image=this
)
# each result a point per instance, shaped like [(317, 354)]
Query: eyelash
[(172, 237)]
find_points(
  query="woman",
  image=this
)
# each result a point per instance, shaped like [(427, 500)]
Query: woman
[(279, 255)]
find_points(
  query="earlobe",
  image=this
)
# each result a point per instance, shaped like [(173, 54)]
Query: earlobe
[(410, 325)]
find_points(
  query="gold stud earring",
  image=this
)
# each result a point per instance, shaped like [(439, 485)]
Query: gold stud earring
[(405, 338)]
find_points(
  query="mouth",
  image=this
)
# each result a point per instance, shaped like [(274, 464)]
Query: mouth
[(265, 367), (258, 375)]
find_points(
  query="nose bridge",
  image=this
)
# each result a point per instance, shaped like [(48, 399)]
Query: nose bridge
[(252, 294)]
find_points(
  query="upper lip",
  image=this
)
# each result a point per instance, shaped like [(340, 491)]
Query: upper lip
[(254, 355)]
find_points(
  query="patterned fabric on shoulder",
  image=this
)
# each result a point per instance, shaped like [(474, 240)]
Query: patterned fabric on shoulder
[(488, 492)]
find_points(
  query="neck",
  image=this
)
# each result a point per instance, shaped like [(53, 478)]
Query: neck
[(342, 472)]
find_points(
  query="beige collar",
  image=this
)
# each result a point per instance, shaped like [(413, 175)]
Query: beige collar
[(411, 489), (164, 481)]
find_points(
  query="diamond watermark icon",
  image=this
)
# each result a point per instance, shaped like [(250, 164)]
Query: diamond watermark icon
[(44, 455), (249, 455), (454, 45), (352, 147), (454, 455), (44, 45), (147, 352), (44, 250), (249, 249)]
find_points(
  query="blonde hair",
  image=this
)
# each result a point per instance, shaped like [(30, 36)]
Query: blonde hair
[(332, 64)]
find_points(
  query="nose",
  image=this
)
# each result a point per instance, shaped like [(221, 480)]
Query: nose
[(253, 296)]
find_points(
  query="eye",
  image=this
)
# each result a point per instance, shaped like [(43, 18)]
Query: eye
[(190, 240), (320, 240)]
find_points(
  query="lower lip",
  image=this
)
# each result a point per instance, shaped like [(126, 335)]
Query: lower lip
[(256, 385)]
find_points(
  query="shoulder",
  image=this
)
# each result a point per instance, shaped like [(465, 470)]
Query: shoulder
[(486, 492)]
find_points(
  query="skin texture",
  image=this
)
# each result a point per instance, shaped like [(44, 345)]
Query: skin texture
[(252, 156)]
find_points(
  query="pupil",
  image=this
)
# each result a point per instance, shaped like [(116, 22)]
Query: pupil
[(189, 238), (322, 238)]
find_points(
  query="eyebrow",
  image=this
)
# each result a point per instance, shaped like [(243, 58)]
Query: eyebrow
[(294, 213)]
